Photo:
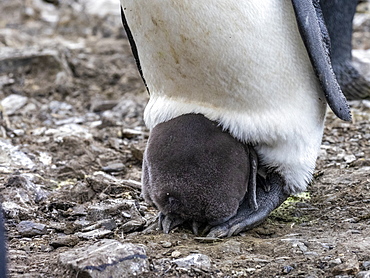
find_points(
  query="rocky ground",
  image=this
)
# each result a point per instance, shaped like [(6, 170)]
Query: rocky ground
[(71, 145)]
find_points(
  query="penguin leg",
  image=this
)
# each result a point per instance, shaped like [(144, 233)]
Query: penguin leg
[(338, 17), (247, 217)]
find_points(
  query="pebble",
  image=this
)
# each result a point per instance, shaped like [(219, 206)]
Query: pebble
[(58, 107), (194, 260), (99, 105), (175, 254), (106, 258), (65, 240), (302, 247), (335, 262), (115, 167), (166, 244), (366, 265), (30, 229), (13, 103), (98, 233), (363, 274), (250, 270), (287, 269)]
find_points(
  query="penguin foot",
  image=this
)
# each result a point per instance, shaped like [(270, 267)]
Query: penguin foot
[(354, 85), (247, 217)]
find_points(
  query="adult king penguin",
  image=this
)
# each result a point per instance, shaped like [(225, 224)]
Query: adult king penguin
[(258, 70)]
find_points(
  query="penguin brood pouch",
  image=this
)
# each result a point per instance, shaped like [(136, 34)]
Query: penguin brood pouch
[(238, 96)]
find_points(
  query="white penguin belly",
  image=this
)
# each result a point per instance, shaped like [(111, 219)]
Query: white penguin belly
[(242, 63)]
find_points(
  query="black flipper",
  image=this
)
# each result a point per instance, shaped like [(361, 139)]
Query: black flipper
[(247, 217), (133, 45), (338, 17), (316, 39)]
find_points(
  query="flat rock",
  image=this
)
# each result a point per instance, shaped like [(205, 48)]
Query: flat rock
[(11, 104), (30, 229), (94, 234), (12, 157), (106, 258), (65, 240)]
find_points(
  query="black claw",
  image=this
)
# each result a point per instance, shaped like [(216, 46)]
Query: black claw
[(261, 181), (169, 222), (195, 227)]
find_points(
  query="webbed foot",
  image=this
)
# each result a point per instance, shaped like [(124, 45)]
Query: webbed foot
[(247, 217), (354, 85)]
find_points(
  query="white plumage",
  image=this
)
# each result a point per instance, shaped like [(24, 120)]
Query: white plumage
[(241, 63)]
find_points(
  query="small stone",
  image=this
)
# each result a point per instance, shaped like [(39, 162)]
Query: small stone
[(302, 247), (99, 105), (335, 262), (363, 274), (166, 244), (58, 107), (194, 260), (30, 229), (19, 132), (327, 246), (65, 240), (98, 233), (115, 167), (250, 270), (11, 104), (287, 269), (366, 265), (349, 158), (175, 254)]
